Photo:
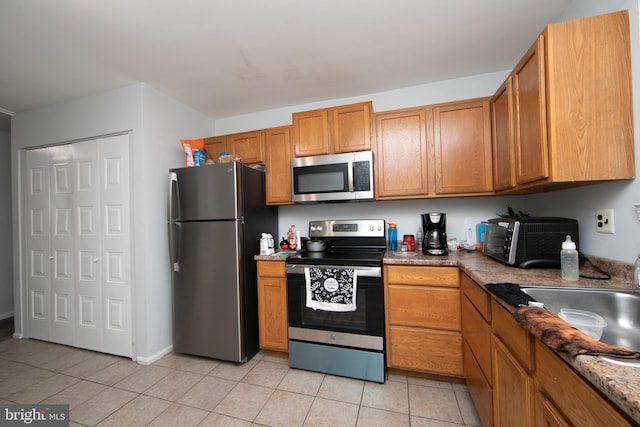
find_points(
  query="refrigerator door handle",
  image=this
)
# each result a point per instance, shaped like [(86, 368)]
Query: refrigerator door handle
[(174, 249), (174, 197)]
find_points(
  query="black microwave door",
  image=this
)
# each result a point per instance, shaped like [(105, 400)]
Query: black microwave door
[(332, 178)]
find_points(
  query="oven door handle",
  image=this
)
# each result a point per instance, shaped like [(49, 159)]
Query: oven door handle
[(361, 271)]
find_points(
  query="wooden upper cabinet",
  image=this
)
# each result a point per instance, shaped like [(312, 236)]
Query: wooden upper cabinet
[(247, 145), (400, 166), (214, 146), (502, 136), (351, 126), (340, 129), (462, 147), (277, 144), (572, 110), (311, 133), (531, 152), (590, 102)]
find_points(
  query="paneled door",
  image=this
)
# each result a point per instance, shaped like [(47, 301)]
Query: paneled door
[(78, 279)]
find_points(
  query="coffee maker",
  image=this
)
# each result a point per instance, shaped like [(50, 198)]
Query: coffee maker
[(434, 225)]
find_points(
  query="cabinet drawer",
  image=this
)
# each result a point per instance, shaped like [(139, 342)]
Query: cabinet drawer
[(477, 335), (422, 350), (419, 275), (479, 388), (478, 296), (517, 339), (577, 400), (420, 306), (271, 268)]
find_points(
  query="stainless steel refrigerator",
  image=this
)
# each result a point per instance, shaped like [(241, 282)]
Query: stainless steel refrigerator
[(216, 216)]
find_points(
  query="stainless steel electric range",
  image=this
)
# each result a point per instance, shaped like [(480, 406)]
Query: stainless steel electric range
[(335, 300)]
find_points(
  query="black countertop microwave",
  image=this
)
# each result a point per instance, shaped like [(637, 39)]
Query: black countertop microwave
[(332, 178), (529, 242)]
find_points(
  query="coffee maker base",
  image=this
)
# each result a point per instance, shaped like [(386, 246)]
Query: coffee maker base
[(435, 252)]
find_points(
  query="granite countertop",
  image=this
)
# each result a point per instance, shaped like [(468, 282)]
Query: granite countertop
[(621, 384)]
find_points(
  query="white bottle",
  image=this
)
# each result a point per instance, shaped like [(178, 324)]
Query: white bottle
[(636, 275), (569, 260)]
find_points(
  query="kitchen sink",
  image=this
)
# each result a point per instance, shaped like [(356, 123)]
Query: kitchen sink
[(619, 308)]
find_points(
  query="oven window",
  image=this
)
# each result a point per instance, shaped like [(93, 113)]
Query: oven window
[(367, 319), (354, 321)]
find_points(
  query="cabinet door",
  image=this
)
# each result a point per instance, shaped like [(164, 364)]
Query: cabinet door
[(425, 350), (272, 306), (479, 388), (513, 389), (277, 146), (351, 127), (547, 415), (214, 146), (462, 145), (311, 133), (401, 154), (247, 145), (531, 150), (502, 132)]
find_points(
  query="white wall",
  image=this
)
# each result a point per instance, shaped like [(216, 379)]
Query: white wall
[(6, 251), (156, 124)]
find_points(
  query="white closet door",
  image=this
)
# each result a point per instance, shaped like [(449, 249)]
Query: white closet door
[(116, 252), (38, 244), (88, 241), (78, 245), (62, 245)]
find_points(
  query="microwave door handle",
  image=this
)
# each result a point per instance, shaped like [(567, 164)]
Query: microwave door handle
[(350, 176)]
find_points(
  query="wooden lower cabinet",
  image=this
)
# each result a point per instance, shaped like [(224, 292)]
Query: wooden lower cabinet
[(513, 389), (479, 387), (527, 384), (272, 306), (422, 307), (568, 398), (476, 331)]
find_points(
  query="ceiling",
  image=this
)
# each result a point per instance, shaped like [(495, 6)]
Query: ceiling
[(230, 57)]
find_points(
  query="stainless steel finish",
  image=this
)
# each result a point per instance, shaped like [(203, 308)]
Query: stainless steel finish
[(620, 309), (336, 338), (360, 271), (216, 215), (345, 158), (366, 228)]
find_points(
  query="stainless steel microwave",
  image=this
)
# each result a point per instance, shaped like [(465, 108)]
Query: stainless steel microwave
[(332, 178), (528, 242)]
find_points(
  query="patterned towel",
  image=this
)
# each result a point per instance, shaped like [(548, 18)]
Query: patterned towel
[(331, 289)]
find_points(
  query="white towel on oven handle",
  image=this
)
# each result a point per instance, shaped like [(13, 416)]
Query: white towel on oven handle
[(331, 289)]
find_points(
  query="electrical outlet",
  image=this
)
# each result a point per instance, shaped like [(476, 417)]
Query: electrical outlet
[(604, 221)]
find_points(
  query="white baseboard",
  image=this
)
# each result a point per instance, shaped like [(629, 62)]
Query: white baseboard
[(6, 315), (157, 356), (17, 335)]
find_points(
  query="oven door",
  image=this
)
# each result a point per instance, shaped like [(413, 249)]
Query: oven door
[(367, 321)]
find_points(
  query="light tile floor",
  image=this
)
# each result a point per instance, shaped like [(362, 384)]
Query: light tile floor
[(181, 390)]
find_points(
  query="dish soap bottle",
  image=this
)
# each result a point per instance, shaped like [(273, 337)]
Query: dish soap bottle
[(392, 237), (569, 260)]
